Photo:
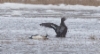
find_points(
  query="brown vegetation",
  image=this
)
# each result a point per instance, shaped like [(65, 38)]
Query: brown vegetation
[(72, 2)]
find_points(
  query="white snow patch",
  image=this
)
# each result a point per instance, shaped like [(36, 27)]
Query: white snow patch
[(16, 13), (61, 6)]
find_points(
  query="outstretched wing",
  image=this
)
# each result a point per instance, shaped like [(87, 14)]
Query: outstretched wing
[(50, 25)]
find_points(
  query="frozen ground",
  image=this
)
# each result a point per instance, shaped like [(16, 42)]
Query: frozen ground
[(19, 22)]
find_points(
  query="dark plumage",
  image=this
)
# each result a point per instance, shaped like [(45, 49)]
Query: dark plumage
[(60, 30)]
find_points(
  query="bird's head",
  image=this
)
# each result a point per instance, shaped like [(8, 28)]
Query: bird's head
[(63, 19), (41, 24)]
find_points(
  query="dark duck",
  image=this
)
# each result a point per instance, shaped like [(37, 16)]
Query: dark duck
[(60, 30)]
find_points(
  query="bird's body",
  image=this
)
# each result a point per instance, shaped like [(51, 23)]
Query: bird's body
[(60, 30), (38, 37)]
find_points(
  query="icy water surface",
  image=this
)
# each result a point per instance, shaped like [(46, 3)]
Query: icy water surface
[(17, 25), (82, 38), (46, 13)]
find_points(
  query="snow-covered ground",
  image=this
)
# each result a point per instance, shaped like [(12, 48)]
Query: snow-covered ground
[(19, 21)]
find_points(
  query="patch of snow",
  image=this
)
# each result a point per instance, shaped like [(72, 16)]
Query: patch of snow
[(61, 6), (16, 13)]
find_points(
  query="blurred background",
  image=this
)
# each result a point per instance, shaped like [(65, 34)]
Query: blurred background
[(71, 2)]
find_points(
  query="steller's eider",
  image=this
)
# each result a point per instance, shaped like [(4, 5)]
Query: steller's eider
[(39, 37), (60, 30)]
